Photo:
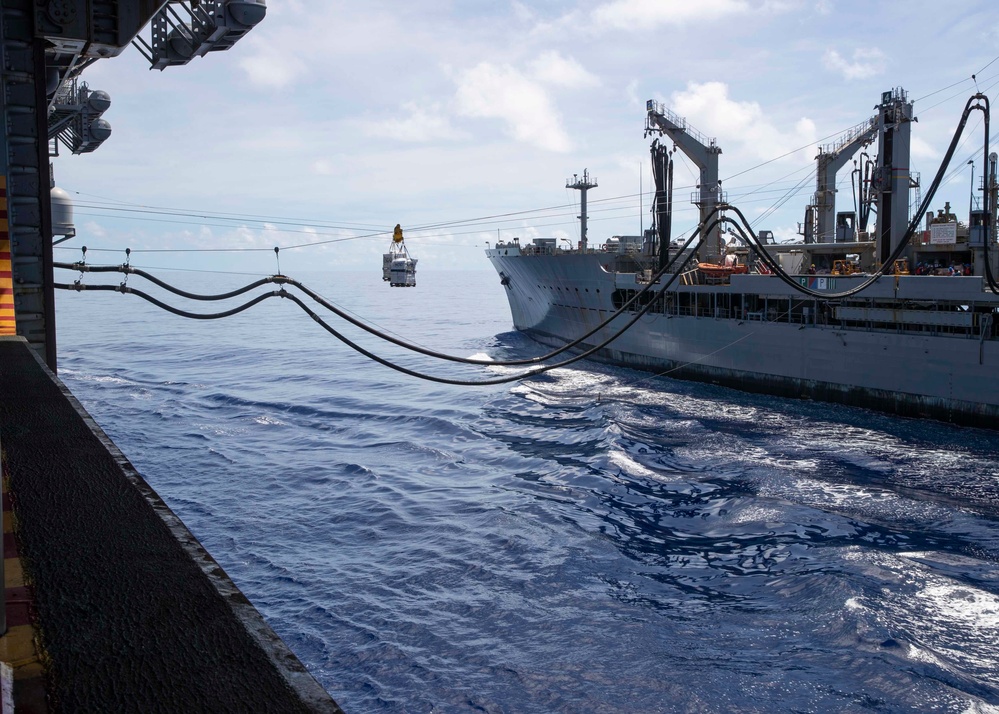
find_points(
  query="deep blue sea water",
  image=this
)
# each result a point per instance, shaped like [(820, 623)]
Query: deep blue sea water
[(595, 540)]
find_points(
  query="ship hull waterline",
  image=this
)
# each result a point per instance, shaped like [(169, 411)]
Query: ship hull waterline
[(553, 300)]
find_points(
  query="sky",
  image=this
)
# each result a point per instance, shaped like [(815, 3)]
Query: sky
[(330, 122)]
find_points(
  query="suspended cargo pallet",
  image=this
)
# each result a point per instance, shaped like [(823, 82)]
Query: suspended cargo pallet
[(398, 267)]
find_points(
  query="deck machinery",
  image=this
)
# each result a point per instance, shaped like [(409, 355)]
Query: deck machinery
[(863, 317)]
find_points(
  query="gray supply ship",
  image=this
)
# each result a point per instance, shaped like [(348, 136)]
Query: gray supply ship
[(900, 318)]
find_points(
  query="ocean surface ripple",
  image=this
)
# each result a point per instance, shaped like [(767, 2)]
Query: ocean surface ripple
[(596, 539)]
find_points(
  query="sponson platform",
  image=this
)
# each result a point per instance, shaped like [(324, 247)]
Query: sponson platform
[(129, 611)]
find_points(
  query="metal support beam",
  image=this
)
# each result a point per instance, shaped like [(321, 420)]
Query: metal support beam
[(25, 164), (44, 174), (891, 177), (704, 153), (829, 161)]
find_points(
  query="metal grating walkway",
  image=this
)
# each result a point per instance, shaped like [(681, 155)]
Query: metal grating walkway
[(134, 614)]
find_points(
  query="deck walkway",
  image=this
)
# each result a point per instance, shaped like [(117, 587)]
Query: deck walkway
[(131, 612)]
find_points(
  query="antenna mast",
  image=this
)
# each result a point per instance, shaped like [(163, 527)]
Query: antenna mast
[(582, 185)]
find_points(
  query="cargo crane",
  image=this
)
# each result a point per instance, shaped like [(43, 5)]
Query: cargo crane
[(830, 160), (890, 179), (704, 153)]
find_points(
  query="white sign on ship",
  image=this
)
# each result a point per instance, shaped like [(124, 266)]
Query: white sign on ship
[(943, 233)]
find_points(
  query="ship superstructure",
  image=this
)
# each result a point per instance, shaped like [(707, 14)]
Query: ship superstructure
[(901, 317)]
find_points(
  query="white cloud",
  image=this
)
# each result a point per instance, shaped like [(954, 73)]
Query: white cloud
[(427, 124), (552, 68), (522, 12), (322, 167), (709, 108), (631, 91), (495, 91), (417, 123), (269, 66), (288, 108), (650, 14), (922, 149), (503, 92), (94, 229), (866, 63), (777, 7)]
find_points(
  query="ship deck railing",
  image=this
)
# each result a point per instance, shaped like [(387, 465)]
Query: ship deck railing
[(943, 319)]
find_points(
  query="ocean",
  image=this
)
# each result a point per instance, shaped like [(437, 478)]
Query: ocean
[(596, 539)]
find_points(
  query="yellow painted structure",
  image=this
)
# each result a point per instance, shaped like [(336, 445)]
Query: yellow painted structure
[(8, 326)]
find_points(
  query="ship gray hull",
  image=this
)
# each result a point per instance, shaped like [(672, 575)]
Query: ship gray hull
[(556, 298)]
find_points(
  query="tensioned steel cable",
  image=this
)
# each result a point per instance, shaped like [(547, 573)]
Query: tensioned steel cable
[(129, 270), (283, 280), (139, 208), (748, 237), (124, 289)]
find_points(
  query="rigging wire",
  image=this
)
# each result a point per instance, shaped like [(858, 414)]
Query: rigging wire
[(563, 210), (283, 280), (336, 240), (220, 215), (416, 229), (250, 249), (282, 220), (211, 215), (744, 229), (748, 238), (955, 94), (839, 133), (994, 60), (942, 89), (780, 203), (752, 240)]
